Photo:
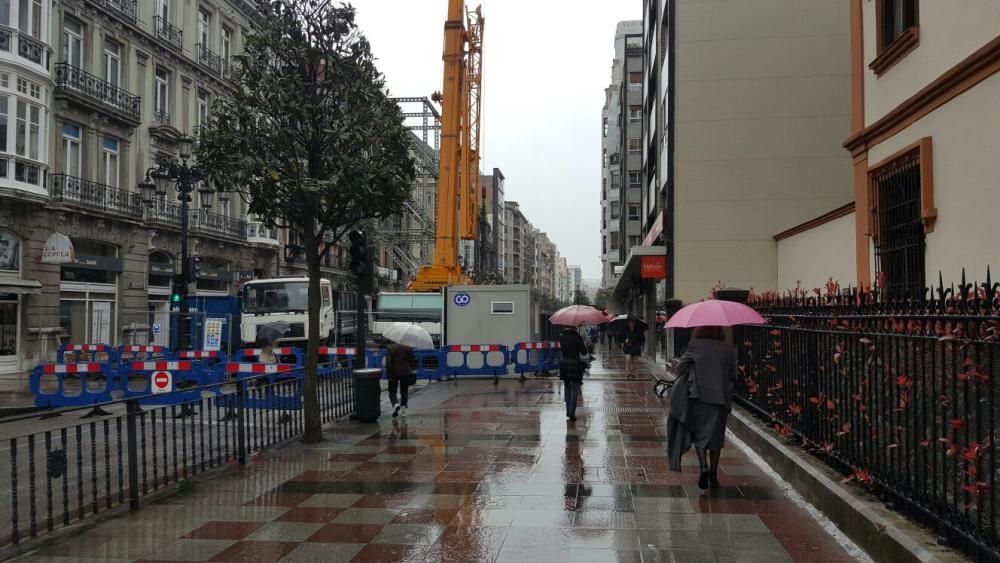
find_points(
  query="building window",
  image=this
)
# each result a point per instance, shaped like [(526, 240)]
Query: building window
[(226, 45), (634, 114), (604, 158), (112, 63), (163, 10), (110, 147), (71, 149), (28, 88), (634, 78), (501, 307), (634, 146), (635, 179), (10, 253), (162, 91), (3, 126), (29, 119), (614, 241), (204, 23), (29, 18), (897, 17), (898, 225), (633, 211), (897, 32), (616, 210), (89, 293), (605, 127), (202, 107), (633, 241), (72, 47)]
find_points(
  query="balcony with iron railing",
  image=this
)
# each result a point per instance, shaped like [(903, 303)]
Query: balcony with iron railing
[(259, 233), (212, 61), (169, 34), (92, 196), (123, 9), (97, 94), (28, 48), (163, 212), (207, 222)]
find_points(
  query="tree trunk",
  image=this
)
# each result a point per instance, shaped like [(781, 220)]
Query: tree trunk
[(313, 424)]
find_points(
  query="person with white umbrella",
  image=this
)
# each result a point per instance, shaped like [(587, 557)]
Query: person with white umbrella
[(401, 363)]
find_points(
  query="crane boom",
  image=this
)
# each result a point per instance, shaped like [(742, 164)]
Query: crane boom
[(458, 176)]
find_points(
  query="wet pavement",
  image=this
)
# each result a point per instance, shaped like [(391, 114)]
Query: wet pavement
[(476, 471)]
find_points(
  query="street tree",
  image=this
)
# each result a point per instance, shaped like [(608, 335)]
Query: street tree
[(309, 137)]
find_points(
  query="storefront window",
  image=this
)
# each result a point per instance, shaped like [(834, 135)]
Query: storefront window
[(213, 275), (8, 324), (10, 251), (89, 294)]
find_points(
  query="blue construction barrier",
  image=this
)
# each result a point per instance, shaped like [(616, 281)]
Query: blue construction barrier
[(430, 363), (534, 357), (85, 353), (332, 358), (86, 373), (204, 359), (485, 352), (184, 374), (281, 353), (138, 353), (266, 394)]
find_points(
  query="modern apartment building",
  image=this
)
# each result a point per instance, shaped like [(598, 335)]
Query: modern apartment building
[(519, 251), (621, 154), (492, 188), (95, 92), (743, 116)]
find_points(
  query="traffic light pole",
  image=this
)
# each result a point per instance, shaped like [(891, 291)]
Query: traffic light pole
[(184, 322)]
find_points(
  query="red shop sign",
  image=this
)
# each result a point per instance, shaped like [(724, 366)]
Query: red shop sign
[(654, 267)]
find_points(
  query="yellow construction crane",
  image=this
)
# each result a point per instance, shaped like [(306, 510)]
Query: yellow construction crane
[(458, 176)]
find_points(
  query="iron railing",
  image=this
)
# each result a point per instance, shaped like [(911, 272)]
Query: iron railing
[(124, 9), (103, 94), (214, 223), (31, 49), (162, 116), (900, 395), (94, 196), (257, 231), (168, 33), (209, 59), (163, 212), (67, 470)]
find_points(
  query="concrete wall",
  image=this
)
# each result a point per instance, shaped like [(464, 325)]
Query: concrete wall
[(949, 32), (763, 94), (812, 257), (965, 135)]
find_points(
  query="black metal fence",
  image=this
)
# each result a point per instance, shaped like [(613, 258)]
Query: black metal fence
[(900, 395), (59, 471)]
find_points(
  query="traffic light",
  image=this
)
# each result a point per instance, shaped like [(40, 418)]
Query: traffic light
[(193, 268), (178, 291), (360, 261)]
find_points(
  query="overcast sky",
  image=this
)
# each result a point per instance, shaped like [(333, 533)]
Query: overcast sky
[(545, 68)]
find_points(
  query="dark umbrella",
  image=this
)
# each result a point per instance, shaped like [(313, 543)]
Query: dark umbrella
[(268, 333), (621, 322)]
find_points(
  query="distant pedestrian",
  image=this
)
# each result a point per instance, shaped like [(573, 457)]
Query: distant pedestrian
[(701, 401), (400, 366), (632, 345), (571, 366)]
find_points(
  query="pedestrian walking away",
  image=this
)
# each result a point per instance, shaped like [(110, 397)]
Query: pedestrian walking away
[(632, 345), (571, 366), (400, 365), (700, 402)]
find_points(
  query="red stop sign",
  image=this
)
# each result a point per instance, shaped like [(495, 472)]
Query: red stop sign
[(161, 380)]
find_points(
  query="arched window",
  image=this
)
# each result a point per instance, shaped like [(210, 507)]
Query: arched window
[(213, 275), (161, 269)]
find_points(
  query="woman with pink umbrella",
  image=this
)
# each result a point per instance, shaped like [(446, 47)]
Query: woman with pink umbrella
[(702, 396)]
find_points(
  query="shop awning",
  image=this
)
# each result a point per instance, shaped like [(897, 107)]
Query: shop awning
[(21, 287), (644, 264)]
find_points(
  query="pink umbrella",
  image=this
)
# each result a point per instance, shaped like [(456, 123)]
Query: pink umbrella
[(576, 315), (715, 312)]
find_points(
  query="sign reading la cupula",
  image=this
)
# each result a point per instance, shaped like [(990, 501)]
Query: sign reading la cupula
[(58, 250)]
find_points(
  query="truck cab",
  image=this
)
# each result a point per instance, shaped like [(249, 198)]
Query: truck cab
[(285, 299), (423, 309)]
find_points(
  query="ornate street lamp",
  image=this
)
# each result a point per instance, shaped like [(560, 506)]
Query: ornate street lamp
[(185, 179)]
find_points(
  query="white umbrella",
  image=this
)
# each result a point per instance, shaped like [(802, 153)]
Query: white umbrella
[(410, 335)]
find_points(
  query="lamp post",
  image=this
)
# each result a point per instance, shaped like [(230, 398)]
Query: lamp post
[(186, 180)]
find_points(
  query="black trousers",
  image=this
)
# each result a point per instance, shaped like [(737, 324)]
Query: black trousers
[(404, 388)]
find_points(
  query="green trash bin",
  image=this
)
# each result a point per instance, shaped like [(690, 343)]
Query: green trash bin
[(367, 394)]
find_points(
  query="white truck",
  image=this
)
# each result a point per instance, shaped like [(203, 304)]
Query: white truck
[(285, 299), (423, 309)]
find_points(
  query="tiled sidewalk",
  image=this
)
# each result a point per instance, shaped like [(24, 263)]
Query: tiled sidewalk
[(476, 472)]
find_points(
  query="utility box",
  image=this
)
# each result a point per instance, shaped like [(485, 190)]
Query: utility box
[(490, 314)]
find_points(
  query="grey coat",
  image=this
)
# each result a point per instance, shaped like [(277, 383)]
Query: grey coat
[(711, 365)]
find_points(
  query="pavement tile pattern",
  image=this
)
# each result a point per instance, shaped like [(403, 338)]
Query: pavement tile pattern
[(477, 471)]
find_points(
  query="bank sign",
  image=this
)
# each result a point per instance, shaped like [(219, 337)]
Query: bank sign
[(654, 267)]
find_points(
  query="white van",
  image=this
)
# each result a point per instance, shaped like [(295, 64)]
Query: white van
[(285, 299)]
